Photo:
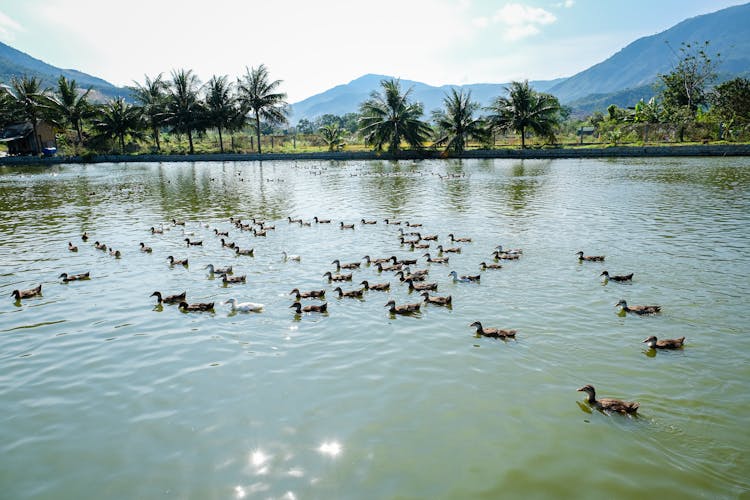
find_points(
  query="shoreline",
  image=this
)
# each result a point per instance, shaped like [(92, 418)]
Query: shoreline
[(517, 154)]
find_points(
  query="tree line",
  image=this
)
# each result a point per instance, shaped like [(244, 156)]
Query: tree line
[(388, 120)]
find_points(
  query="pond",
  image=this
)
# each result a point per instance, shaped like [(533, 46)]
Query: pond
[(104, 394)]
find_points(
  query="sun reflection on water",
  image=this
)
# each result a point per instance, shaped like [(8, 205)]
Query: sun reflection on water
[(330, 448)]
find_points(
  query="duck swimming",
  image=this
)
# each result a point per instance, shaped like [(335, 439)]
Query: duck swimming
[(494, 333), (484, 266), (349, 265), (354, 294), (378, 287), (465, 278), (440, 301), (623, 277), (436, 260), (228, 245), (512, 251), (146, 249), (178, 222), (395, 267), (369, 221), (221, 233), (638, 309), (505, 256), (608, 404), (392, 222), (589, 258), (100, 246), (413, 277), (653, 343), (193, 243), (346, 226), (286, 257), (169, 299), (74, 277), (244, 306), (440, 249), (402, 309), (460, 240), (177, 262), (321, 221), (218, 270), (248, 251), (311, 308), (312, 294), (115, 253), (197, 307), (157, 231), (228, 280), (337, 277), (25, 294), (369, 261), (85, 236), (420, 287)]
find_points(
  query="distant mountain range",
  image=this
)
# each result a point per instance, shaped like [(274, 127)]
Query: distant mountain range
[(622, 79)]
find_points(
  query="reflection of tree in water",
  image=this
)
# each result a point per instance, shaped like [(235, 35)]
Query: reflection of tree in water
[(521, 183), (390, 186)]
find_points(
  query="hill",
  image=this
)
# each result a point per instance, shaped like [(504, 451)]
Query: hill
[(13, 62)]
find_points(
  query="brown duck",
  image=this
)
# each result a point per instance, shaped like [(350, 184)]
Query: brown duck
[(312, 294), (653, 343), (346, 265), (494, 333), (608, 404), (177, 262), (638, 309), (378, 287), (437, 300), (25, 294), (369, 261), (146, 249), (352, 294), (622, 277), (321, 221), (392, 268), (497, 255), (413, 277), (589, 258), (231, 244), (322, 308), (420, 287), (74, 277), (440, 249), (169, 299), (228, 280), (337, 277), (346, 226), (402, 309), (364, 221), (436, 260), (100, 246), (193, 243), (460, 240), (247, 251), (72, 247), (403, 262), (221, 233), (484, 266), (197, 307)]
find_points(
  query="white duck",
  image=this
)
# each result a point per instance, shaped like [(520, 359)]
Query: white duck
[(291, 257), (244, 306)]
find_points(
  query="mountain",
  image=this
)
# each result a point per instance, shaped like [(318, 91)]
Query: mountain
[(16, 63), (640, 63), (346, 98)]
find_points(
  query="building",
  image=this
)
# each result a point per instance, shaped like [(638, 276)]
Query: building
[(20, 138)]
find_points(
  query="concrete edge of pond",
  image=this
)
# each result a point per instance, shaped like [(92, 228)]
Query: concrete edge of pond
[(530, 154)]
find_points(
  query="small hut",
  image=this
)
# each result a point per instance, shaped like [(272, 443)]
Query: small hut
[(20, 138)]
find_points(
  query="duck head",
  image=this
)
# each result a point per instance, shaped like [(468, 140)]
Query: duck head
[(651, 341), (390, 303), (605, 274), (622, 304), (588, 389)]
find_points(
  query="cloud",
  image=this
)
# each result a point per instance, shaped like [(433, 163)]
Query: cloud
[(519, 20), (8, 28)]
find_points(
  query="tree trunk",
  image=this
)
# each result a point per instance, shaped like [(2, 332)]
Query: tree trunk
[(156, 138), (221, 141), (122, 144), (190, 140), (78, 130), (523, 138), (36, 137), (257, 129)]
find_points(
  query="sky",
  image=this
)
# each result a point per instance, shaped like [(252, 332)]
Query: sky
[(313, 45)]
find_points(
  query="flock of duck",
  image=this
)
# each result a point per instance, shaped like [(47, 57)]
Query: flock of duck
[(410, 235)]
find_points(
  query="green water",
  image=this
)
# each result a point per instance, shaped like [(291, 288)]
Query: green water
[(102, 395)]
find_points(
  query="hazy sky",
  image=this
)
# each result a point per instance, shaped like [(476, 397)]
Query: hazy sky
[(313, 45)]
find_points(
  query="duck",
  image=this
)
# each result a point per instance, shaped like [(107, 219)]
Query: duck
[(589, 258), (247, 251), (298, 221), (638, 309), (512, 251), (231, 244), (369, 261), (115, 253), (85, 236), (403, 262), (25, 294), (197, 307), (157, 231), (395, 267), (100, 246), (311, 294), (392, 222), (349, 265), (346, 226), (178, 222), (365, 221), (437, 300), (419, 246), (407, 276), (436, 260), (608, 404), (321, 221), (193, 243), (169, 299), (244, 306), (411, 224), (505, 256), (378, 287), (354, 294), (221, 233), (653, 343), (403, 233), (177, 262), (420, 286), (404, 241), (322, 308), (265, 227), (72, 247), (460, 240), (218, 270), (146, 249), (286, 257), (259, 234), (416, 272), (440, 249), (402, 309), (494, 333), (484, 266), (74, 277), (337, 277), (228, 280), (622, 277), (465, 278), (428, 237)]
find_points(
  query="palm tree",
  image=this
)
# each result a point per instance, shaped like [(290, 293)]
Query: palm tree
[(456, 124), (152, 99), (185, 112), (29, 101), (332, 135), (221, 107), (389, 117), (524, 108), (118, 119), (259, 95), (70, 105)]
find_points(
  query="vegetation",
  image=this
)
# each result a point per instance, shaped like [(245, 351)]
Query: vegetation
[(152, 99), (332, 135), (260, 95), (118, 119), (28, 102), (184, 111), (524, 108), (70, 106), (457, 125)]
